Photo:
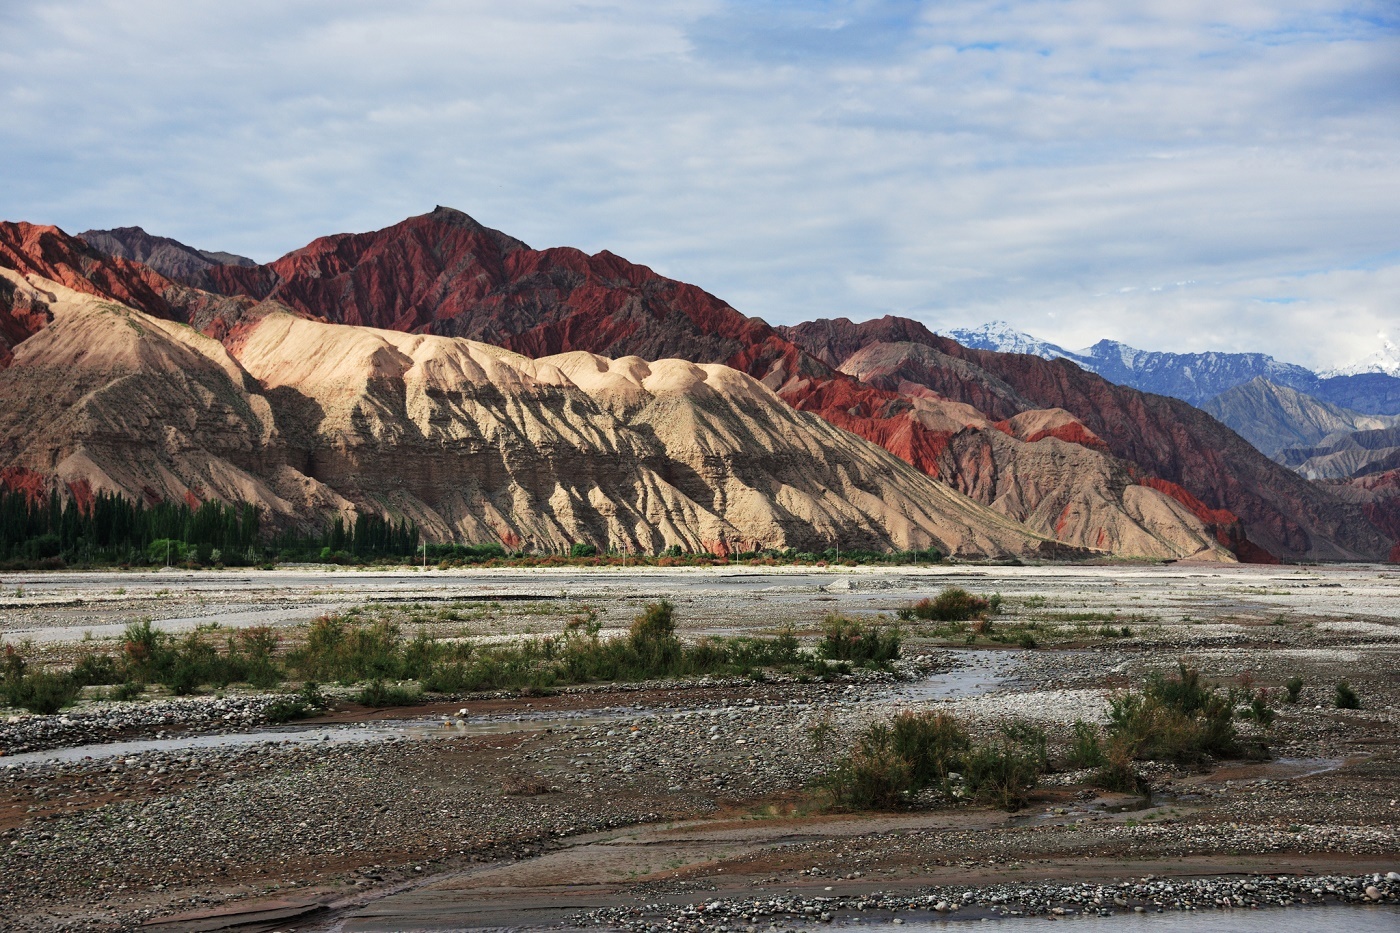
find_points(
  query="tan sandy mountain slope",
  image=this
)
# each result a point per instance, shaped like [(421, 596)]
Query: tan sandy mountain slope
[(471, 439), (309, 420)]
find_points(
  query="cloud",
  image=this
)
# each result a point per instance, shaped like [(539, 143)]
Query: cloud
[(1056, 164)]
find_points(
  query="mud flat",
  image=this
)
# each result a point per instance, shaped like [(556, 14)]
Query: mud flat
[(660, 806)]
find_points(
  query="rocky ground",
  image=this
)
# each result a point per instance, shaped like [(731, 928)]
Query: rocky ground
[(672, 804)]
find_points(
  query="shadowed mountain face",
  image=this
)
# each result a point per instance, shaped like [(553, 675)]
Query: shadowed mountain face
[(1066, 454), (1316, 439), (170, 258)]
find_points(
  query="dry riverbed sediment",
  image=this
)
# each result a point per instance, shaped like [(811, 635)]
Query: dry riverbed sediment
[(659, 806)]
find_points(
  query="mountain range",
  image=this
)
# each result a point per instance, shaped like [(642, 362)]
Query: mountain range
[(445, 371), (1371, 386)]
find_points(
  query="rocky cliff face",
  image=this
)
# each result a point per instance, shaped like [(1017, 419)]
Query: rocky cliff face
[(54, 255)]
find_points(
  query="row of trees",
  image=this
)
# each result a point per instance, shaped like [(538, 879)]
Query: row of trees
[(111, 528), (369, 536)]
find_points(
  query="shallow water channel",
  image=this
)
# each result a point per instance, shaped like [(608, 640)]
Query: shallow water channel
[(437, 727), (978, 672)]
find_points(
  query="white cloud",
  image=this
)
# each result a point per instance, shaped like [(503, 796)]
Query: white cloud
[(1056, 164)]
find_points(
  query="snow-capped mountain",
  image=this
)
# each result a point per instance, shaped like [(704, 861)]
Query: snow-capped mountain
[(1003, 338), (1385, 360), (1194, 377)]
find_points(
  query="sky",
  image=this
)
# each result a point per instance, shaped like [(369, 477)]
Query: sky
[(1174, 174)]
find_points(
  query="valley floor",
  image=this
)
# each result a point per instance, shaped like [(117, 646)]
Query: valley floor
[(625, 806)]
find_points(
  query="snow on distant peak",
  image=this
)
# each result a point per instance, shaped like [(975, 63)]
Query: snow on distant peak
[(1003, 338), (1385, 360)]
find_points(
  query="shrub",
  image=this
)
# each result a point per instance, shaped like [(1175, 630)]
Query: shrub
[(1028, 739), (1085, 748), (848, 640), (1259, 709), (1345, 697), (1294, 689), (1000, 775), (583, 550), (97, 670), (1176, 719), (653, 638), (872, 779), (128, 690), (340, 648), (43, 691), (932, 743), (141, 645), (896, 760), (306, 702), (954, 604), (12, 664), (379, 695), (1116, 772)]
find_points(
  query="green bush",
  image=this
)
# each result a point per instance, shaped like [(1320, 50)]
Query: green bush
[(380, 695), (1293, 688), (128, 690), (872, 779), (932, 743), (894, 761), (1000, 774), (1085, 748), (583, 550), (1117, 773), (307, 702), (1345, 697), (954, 604), (97, 670), (848, 640), (1259, 709), (340, 648), (42, 691), (1177, 719), (1029, 739), (653, 638)]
